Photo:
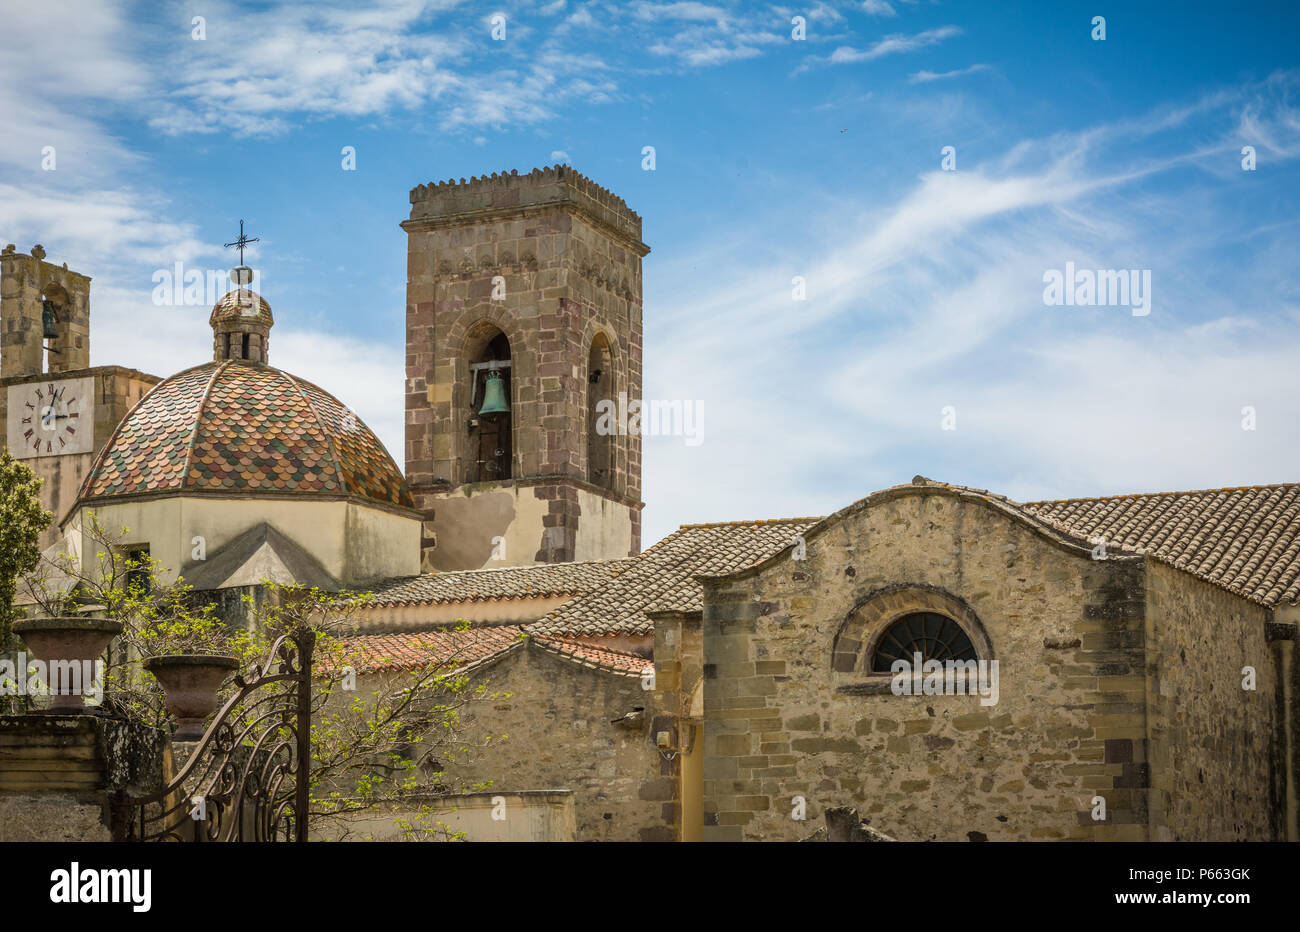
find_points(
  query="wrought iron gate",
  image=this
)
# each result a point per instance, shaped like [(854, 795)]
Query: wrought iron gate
[(248, 778)]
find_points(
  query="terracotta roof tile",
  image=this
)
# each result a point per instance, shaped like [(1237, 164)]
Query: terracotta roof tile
[(510, 582), (663, 578), (1246, 540), (394, 653), (247, 428), (596, 658), (463, 649)]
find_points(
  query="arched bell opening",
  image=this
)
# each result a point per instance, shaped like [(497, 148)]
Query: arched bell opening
[(602, 413), (490, 454), (56, 312)]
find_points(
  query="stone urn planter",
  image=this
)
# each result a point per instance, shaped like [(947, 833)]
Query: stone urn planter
[(69, 647), (190, 682)]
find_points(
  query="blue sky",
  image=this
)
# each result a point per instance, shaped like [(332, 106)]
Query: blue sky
[(775, 158)]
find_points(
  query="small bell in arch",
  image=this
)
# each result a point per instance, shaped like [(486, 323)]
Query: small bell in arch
[(49, 319), (494, 395)]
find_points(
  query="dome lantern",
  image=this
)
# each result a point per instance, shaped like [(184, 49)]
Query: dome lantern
[(241, 322)]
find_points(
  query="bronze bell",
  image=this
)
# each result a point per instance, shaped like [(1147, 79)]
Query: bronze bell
[(494, 395), (48, 320)]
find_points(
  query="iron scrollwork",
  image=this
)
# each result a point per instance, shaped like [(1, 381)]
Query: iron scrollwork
[(248, 777)]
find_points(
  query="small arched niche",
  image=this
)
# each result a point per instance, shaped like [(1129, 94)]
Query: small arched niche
[(602, 413), (490, 455)]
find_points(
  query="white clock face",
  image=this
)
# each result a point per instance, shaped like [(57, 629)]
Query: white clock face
[(50, 418)]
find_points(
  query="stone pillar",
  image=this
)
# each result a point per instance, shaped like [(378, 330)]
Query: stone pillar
[(58, 774), (678, 653)]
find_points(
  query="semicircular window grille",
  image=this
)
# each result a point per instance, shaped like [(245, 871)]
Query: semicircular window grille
[(933, 636)]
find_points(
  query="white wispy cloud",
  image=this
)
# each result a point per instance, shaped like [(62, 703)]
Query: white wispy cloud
[(935, 300), (279, 63), (705, 47), (921, 77), (98, 227), (55, 63), (893, 45), (687, 10)]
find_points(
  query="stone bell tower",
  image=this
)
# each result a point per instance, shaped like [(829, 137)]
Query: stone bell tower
[(38, 300), (58, 410), (525, 291)]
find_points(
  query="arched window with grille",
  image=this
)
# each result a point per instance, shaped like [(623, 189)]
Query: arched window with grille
[(899, 621), (930, 634)]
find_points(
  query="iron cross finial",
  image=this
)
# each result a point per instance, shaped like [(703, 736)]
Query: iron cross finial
[(242, 242)]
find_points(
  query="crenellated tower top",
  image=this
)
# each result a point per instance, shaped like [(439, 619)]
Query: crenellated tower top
[(442, 204)]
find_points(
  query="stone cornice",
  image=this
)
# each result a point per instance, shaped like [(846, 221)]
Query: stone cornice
[(447, 491), (84, 504), (91, 372)]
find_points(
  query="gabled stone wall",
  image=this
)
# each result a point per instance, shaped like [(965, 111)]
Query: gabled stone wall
[(784, 721)]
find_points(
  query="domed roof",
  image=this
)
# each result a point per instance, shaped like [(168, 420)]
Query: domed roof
[(238, 426), (242, 304)]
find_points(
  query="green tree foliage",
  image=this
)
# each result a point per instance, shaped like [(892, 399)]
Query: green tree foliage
[(22, 519)]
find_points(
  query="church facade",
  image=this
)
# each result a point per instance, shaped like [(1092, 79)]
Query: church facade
[(950, 664)]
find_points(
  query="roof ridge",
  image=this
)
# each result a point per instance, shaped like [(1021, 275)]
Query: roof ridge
[(558, 646), (299, 381), (754, 523), (401, 580), (329, 434), (567, 640), (198, 420), (1111, 498), (531, 566), (102, 455)]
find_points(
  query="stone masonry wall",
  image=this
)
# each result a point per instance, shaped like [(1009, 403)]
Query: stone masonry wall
[(1217, 761), (559, 722), (569, 253), (116, 390), (22, 280), (1067, 632), (58, 773)]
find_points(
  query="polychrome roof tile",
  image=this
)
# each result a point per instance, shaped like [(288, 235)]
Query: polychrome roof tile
[(237, 426)]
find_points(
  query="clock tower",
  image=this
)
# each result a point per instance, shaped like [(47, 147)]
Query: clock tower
[(58, 410)]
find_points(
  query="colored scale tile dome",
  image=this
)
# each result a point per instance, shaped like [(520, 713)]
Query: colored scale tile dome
[(240, 427)]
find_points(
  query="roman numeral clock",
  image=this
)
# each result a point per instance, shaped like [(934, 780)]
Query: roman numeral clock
[(53, 417)]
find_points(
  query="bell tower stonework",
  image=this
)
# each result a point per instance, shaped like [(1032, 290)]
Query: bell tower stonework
[(523, 328), (58, 410)]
